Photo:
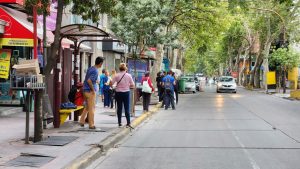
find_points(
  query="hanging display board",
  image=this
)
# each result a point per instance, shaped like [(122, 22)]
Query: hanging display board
[(5, 55)]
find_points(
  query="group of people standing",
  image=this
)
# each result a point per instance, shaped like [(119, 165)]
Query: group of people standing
[(119, 82), (116, 88), (167, 85)]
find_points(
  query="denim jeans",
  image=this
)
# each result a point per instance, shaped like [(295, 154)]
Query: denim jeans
[(123, 98), (106, 98), (169, 98)]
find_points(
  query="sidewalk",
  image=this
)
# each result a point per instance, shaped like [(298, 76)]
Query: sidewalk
[(273, 93), (44, 156)]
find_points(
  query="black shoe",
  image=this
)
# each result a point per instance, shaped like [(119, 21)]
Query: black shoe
[(120, 124), (129, 126), (173, 109)]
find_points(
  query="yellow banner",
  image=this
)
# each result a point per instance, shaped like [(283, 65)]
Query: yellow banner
[(293, 74), (271, 78), (16, 42), (5, 55)]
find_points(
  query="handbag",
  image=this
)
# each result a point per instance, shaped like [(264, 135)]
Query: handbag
[(146, 88)]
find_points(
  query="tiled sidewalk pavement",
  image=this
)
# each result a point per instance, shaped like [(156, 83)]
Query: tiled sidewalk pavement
[(13, 131)]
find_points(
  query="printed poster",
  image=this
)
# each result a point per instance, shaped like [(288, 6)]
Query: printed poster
[(5, 55)]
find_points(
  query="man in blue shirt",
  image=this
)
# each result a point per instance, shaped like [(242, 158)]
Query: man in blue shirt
[(169, 83), (89, 93)]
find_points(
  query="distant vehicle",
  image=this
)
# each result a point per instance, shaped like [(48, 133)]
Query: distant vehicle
[(226, 84), (190, 84)]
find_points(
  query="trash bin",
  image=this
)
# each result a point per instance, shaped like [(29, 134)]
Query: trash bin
[(181, 85)]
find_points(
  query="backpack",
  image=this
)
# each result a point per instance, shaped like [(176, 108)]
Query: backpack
[(72, 94), (168, 84)]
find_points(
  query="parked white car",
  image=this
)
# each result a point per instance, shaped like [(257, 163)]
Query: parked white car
[(226, 84), (190, 84)]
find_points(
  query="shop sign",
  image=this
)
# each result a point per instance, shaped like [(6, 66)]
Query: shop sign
[(234, 74), (5, 55), (16, 42)]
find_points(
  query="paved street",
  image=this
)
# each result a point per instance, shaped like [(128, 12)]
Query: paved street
[(247, 130)]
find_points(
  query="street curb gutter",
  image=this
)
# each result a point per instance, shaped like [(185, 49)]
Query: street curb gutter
[(109, 142)]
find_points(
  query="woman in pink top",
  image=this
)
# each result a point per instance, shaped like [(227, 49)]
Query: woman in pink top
[(147, 96), (124, 83)]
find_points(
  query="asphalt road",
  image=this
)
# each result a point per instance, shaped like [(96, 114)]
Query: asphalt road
[(247, 130)]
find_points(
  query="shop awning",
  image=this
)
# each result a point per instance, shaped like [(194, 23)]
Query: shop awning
[(18, 31)]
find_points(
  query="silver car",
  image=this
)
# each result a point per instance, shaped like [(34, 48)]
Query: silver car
[(226, 84), (189, 83)]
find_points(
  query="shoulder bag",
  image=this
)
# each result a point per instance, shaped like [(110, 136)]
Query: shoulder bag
[(146, 88)]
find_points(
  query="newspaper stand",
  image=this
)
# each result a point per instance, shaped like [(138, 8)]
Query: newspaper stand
[(29, 84)]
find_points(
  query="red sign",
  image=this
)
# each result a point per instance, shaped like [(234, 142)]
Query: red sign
[(20, 2), (13, 28), (234, 74)]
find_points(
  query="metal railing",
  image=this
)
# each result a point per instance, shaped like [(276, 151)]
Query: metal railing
[(23, 82)]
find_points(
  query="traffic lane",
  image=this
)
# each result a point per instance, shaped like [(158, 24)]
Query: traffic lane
[(200, 139), (201, 158), (282, 114), (181, 158), (207, 124), (141, 145)]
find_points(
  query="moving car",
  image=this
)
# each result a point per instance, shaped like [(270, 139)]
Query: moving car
[(189, 83), (226, 84)]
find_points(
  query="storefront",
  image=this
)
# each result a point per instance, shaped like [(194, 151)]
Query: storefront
[(16, 43)]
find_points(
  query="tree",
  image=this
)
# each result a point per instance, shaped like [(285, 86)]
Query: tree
[(87, 10), (284, 59)]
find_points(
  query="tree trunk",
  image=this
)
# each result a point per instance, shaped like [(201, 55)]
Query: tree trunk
[(266, 64), (179, 59), (158, 62), (257, 74), (51, 59), (175, 56), (242, 72)]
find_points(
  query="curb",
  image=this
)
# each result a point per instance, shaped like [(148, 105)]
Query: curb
[(109, 142)]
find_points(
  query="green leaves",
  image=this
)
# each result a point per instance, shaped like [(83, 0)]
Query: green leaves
[(141, 22), (285, 58)]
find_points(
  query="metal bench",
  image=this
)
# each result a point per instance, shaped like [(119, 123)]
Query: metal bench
[(65, 113)]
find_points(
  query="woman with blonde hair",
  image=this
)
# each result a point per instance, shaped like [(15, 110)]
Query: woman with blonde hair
[(123, 82)]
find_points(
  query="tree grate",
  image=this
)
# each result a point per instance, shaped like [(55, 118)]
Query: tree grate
[(30, 160), (57, 140)]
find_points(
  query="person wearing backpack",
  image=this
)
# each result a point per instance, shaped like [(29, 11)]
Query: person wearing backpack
[(169, 83), (147, 90)]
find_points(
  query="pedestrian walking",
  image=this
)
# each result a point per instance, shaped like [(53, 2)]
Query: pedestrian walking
[(123, 82), (147, 90), (169, 82), (101, 84), (176, 87), (89, 93), (106, 89)]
